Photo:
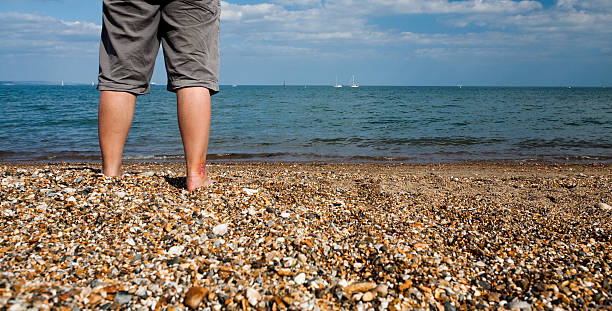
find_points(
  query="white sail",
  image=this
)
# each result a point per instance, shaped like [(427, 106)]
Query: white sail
[(337, 85), (354, 84)]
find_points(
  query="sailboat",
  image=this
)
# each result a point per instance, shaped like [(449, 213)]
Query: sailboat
[(337, 85), (62, 83), (354, 84)]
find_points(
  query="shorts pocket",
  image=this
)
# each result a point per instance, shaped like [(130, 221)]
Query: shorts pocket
[(188, 13), (212, 6)]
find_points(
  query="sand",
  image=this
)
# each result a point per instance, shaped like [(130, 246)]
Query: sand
[(307, 236)]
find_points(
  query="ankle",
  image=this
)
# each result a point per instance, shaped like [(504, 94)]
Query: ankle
[(111, 172), (197, 171), (196, 174)]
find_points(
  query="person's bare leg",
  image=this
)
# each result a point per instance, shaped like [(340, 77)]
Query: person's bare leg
[(193, 109), (115, 114)]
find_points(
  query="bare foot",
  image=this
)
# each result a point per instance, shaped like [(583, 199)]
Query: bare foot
[(196, 181)]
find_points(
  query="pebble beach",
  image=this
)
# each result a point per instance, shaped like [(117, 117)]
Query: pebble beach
[(307, 236)]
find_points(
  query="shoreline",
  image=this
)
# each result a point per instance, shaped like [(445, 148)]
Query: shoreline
[(286, 235), (331, 159)]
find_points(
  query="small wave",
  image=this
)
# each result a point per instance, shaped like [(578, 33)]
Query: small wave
[(563, 143), (421, 141)]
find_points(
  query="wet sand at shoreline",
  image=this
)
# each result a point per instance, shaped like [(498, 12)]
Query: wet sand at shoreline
[(307, 236)]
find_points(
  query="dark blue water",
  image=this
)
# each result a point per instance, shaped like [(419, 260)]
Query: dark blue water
[(407, 124)]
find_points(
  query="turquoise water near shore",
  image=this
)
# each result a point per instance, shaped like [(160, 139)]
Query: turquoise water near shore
[(321, 123)]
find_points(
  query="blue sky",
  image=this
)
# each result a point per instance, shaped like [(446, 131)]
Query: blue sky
[(382, 42)]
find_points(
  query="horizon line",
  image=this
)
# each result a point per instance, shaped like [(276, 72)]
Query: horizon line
[(50, 83)]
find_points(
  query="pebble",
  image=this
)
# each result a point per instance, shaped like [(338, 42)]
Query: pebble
[(355, 236), (284, 272), (480, 264), (120, 194), (17, 307), (253, 296), (369, 296), (250, 191), (195, 296), (175, 251), (449, 307), (518, 305), (604, 206), (141, 292), (302, 258), (300, 278), (220, 230), (382, 290), (359, 287), (122, 298)]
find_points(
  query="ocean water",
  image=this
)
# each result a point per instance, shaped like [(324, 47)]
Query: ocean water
[(324, 124)]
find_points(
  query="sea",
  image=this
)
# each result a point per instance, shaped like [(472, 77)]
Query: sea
[(397, 124)]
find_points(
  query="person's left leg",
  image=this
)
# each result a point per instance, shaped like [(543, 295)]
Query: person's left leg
[(193, 109), (189, 32)]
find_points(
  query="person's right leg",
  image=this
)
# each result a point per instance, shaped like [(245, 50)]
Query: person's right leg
[(115, 114), (193, 109)]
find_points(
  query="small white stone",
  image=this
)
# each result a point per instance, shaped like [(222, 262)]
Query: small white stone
[(69, 190), (120, 194), (175, 251), (130, 241), (300, 278), (17, 307), (519, 305), (302, 258), (71, 199), (285, 215), (253, 296), (141, 292), (220, 229), (250, 191), (289, 262), (604, 206)]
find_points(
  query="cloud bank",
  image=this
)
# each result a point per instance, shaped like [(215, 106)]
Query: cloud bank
[(395, 30), (30, 34)]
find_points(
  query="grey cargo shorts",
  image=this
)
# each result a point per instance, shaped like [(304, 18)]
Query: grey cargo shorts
[(131, 34)]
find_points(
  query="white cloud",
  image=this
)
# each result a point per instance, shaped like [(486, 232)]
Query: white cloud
[(314, 27), (433, 6), (30, 34), (298, 3)]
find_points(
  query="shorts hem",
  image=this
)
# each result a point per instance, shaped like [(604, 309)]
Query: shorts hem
[(123, 88), (212, 86)]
